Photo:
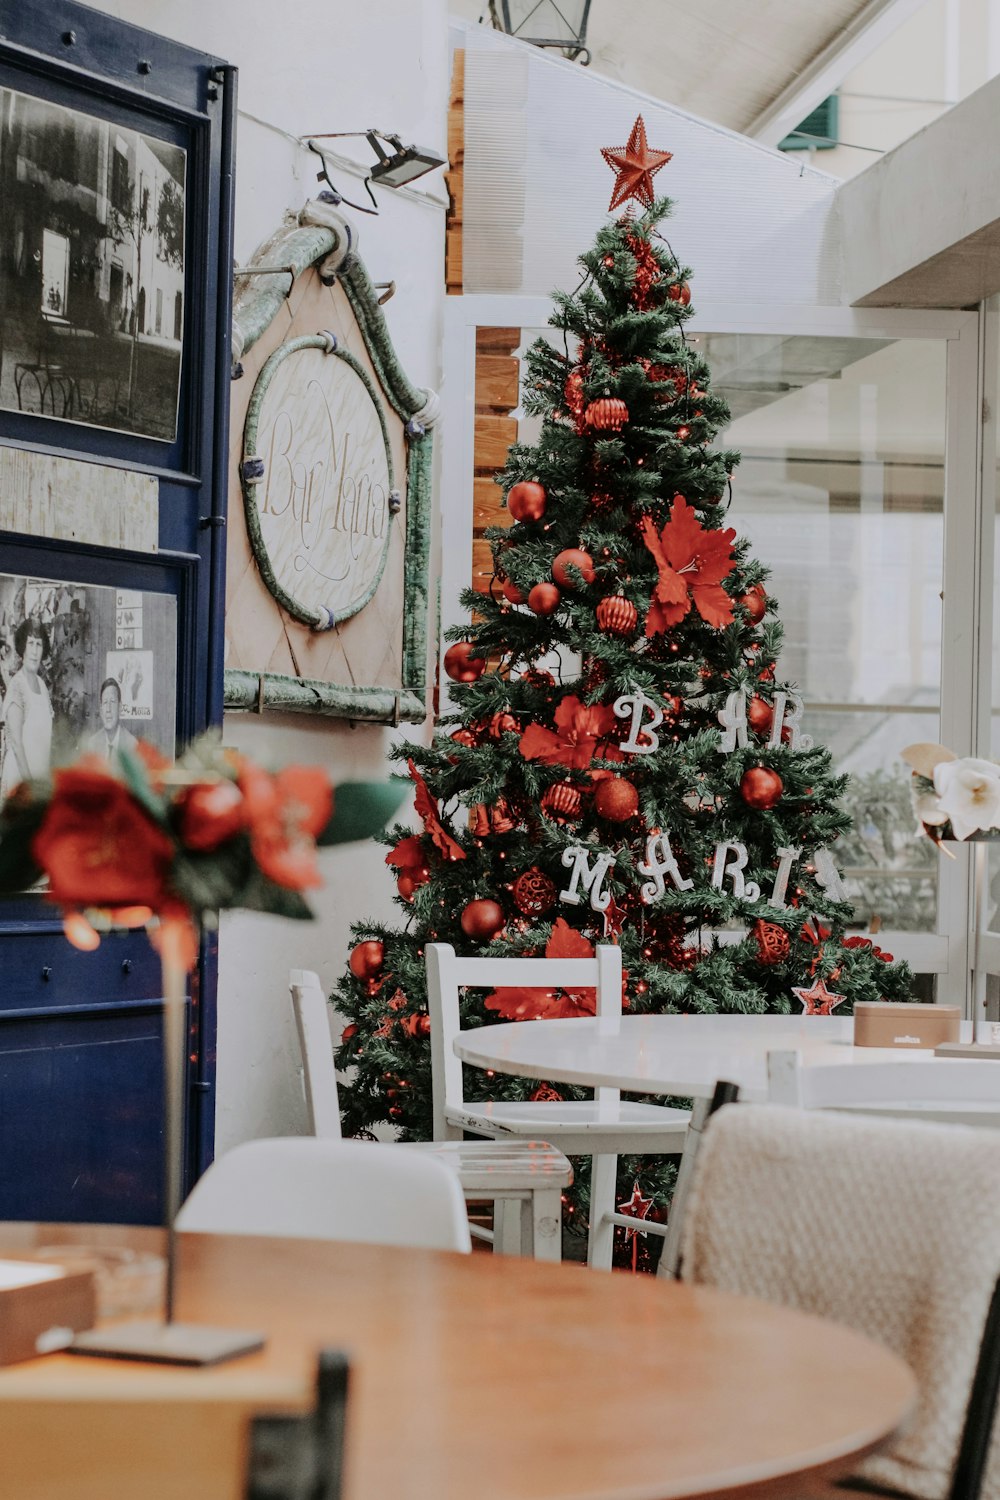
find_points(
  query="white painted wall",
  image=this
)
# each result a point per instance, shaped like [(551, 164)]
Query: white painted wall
[(305, 68)]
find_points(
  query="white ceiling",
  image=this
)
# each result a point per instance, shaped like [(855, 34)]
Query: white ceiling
[(729, 61)]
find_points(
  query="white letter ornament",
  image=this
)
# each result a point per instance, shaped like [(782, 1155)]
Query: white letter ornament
[(733, 719), (788, 713), (592, 879), (787, 855), (828, 876), (641, 739), (743, 890), (660, 861)]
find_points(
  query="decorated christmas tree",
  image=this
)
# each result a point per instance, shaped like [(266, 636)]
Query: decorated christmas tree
[(625, 764)]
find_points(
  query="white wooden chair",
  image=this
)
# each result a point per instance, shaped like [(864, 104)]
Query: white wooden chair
[(524, 1180), (603, 1128), (962, 1091), (302, 1188)]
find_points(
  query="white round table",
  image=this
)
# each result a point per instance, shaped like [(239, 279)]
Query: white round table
[(684, 1055)]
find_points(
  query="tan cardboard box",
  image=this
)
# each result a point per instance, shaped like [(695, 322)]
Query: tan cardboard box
[(882, 1023)]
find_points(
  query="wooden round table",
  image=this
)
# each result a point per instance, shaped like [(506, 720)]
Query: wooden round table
[(471, 1375)]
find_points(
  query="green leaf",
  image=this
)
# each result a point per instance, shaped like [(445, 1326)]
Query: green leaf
[(361, 809)]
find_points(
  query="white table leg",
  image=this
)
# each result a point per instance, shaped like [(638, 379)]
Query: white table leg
[(601, 1238)]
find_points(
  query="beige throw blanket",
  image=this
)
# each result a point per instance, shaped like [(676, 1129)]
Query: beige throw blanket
[(889, 1226)]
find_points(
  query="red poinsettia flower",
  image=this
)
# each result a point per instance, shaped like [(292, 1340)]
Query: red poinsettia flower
[(534, 1004), (97, 844), (407, 855), (428, 810), (692, 563), (210, 813), (577, 738), (285, 815), (857, 941)]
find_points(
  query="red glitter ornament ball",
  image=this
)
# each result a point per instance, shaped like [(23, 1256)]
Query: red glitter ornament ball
[(573, 557), (607, 414), (526, 501), (573, 396), (462, 664), (761, 788), (544, 599), (563, 800), (773, 944), (616, 799), (617, 615), (760, 716), (754, 601), (409, 881), (482, 920), (503, 723), (680, 292), (367, 958), (534, 892), (536, 677)]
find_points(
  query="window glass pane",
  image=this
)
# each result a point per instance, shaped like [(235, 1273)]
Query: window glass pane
[(841, 493)]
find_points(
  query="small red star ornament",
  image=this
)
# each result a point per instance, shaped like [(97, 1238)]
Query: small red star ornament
[(637, 1207), (614, 920), (636, 166), (817, 1000)]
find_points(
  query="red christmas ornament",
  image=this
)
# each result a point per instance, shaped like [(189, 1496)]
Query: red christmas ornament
[(760, 715), (526, 501), (635, 166), (617, 615), (511, 592), (573, 557), (616, 799), (544, 599), (816, 999), (211, 812), (673, 706), (647, 274), (607, 414), (409, 881), (351, 1029), (761, 788), (574, 398), (482, 920), (534, 893), (416, 1025), (537, 678), (680, 292), (545, 1094), (367, 958), (465, 737), (754, 601), (773, 943), (503, 723), (563, 800), (462, 664)]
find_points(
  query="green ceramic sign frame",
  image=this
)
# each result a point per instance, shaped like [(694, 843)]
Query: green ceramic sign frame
[(291, 252)]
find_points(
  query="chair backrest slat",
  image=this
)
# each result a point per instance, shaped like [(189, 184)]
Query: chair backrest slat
[(319, 1073)]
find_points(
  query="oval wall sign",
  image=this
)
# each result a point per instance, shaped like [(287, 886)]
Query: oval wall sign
[(318, 483)]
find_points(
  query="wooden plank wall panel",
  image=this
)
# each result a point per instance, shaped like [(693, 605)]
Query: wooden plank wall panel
[(497, 375), (453, 177)]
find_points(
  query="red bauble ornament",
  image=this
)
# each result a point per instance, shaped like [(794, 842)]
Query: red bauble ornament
[(680, 292), (573, 557), (526, 501), (760, 716), (616, 799), (673, 705), (534, 892), (617, 615), (537, 678), (607, 414), (351, 1029), (563, 800), (545, 1094), (754, 601), (465, 737), (503, 723), (544, 599), (462, 664), (367, 958), (482, 920), (417, 1025), (511, 592), (773, 943), (408, 881), (761, 788)]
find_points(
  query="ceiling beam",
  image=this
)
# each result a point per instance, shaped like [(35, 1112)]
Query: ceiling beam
[(874, 22)]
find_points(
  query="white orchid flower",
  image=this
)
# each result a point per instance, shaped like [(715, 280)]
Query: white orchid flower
[(968, 791)]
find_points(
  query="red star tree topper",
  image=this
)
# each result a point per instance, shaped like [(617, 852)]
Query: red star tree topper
[(636, 165)]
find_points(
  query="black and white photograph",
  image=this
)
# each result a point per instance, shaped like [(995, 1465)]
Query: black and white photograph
[(67, 687), (91, 269)]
